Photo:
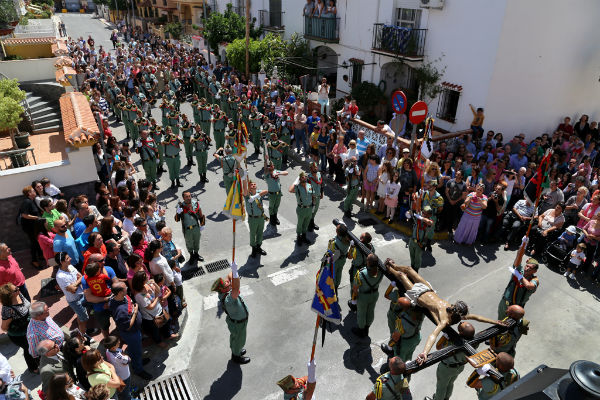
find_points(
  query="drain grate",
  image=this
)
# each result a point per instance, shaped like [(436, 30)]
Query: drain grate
[(199, 272), (217, 266), (192, 272), (174, 387)]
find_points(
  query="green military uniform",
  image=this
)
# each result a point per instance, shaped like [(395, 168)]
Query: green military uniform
[(164, 110), (359, 260), (394, 310), (237, 321), (223, 101), (115, 92), (256, 219), (353, 181), (173, 118), (447, 371), (489, 387), (234, 106), (132, 117), (213, 91), (195, 111), (276, 150), (148, 153), (204, 84), (285, 134), (126, 107), (219, 125), (172, 158), (187, 130), (205, 117), (230, 132), (157, 134), (274, 188), (408, 323), (316, 181), (337, 244), (368, 293), (141, 124), (304, 204), (201, 143), (254, 127), (119, 107), (191, 225), (390, 387), (506, 342), (229, 164), (246, 106), (515, 293), (421, 233)]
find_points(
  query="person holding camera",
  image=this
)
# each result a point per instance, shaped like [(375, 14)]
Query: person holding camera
[(495, 208), (192, 223)]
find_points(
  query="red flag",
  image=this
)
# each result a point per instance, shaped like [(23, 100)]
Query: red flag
[(534, 187)]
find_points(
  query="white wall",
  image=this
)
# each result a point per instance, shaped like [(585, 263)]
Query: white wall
[(29, 70), (547, 66), (78, 168), (466, 32)]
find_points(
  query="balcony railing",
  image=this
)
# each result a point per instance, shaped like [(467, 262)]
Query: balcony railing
[(271, 20), (240, 10), (17, 158), (324, 29), (399, 41)]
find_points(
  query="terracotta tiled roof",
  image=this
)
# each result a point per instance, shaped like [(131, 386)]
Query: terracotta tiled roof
[(63, 62), (63, 73), (79, 125), (60, 48), (33, 40)]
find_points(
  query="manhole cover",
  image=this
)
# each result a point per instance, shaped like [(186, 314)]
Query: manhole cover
[(217, 266), (174, 387)]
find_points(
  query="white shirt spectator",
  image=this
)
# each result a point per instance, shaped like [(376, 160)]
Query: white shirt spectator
[(160, 265), (66, 278)]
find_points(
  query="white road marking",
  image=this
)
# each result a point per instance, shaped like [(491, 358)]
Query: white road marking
[(288, 274), (379, 362), (274, 396), (418, 113), (212, 300)]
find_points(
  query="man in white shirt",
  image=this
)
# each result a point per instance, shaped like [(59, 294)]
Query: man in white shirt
[(323, 96)]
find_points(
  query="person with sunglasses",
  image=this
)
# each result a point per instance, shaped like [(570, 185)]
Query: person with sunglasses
[(64, 242)]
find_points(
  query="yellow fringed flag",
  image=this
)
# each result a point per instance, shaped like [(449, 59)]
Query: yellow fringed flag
[(241, 142), (234, 205)]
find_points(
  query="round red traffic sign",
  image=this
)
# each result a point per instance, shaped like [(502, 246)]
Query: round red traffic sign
[(399, 102), (418, 112)]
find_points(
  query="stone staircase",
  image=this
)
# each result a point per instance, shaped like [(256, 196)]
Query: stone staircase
[(45, 114)]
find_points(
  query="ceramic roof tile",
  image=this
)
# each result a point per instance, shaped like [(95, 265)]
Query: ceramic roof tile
[(79, 124)]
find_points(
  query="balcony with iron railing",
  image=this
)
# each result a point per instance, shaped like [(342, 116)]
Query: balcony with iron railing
[(271, 20), (399, 41), (324, 29)]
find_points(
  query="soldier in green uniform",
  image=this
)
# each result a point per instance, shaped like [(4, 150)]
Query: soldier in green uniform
[(201, 142), (157, 134), (316, 181), (175, 87), (276, 149), (205, 115), (286, 125), (353, 179), (430, 197), (274, 188), (228, 164), (195, 110), (488, 387), (148, 152), (299, 388), (523, 283), (256, 216), (246, 107), (173, 118), (213, 90), (224, 101), (254, 124), (392, 385), (204, 84), (219, 120), (115, 94), (422, 233), (230, 133), (187, 130), (234, 107), (393, 295), (125, 107), (365, 287), (407, 329), (359, 261), (234, 307), (119, 110), (141, 124), (132, 112), (304, 204), (339, 246), (164, 110), (449, 368), (507, 341), (172, 148), (192, 224)]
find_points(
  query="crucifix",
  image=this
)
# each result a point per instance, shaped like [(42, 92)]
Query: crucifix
[(421, 295)]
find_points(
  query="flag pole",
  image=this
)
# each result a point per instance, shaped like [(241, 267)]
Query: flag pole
[(314, 345), (233, 248)]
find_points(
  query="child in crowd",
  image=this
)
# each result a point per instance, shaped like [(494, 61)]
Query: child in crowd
[(567, 238), (392, 189), (115, 356), (165, 292), (51, 190), (577, 257), (178, 280)]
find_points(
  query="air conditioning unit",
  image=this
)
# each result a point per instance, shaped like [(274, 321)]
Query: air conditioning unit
[(432, 4)]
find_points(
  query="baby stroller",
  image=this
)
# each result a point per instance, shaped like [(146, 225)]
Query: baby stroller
[(558, 252)]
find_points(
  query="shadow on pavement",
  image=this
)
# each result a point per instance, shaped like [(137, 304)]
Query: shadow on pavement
[(228, 384)]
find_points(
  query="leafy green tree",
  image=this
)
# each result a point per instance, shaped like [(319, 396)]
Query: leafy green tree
[(122, 5), (269, 50), (428, 75), (226, 27), (174, 29)]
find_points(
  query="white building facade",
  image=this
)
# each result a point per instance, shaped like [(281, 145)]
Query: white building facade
[(528, 63)]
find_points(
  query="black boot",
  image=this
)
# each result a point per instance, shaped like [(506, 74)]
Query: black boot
[(205, 178), (240, 359), (351, 306), (347, 214), (172, 184), (272, 219), (387, 349), (155, 186), (315, 226), (276, 220), (254, 252), (261, 251), (191, 161), (198, 256), (299, 240), (306, 239), (179, 183), (311, 225), (192, 256), (361, 333)]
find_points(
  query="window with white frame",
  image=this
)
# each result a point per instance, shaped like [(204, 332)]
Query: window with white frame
[(448, 104), (408, 18)]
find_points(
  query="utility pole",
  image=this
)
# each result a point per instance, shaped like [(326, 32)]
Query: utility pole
[(206, 41), (248, 39)]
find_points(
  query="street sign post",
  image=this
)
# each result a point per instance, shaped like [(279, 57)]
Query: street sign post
[(399, 102), (418, 112)]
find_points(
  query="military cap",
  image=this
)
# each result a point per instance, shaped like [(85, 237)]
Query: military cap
[(218, 285), (287, 383)]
